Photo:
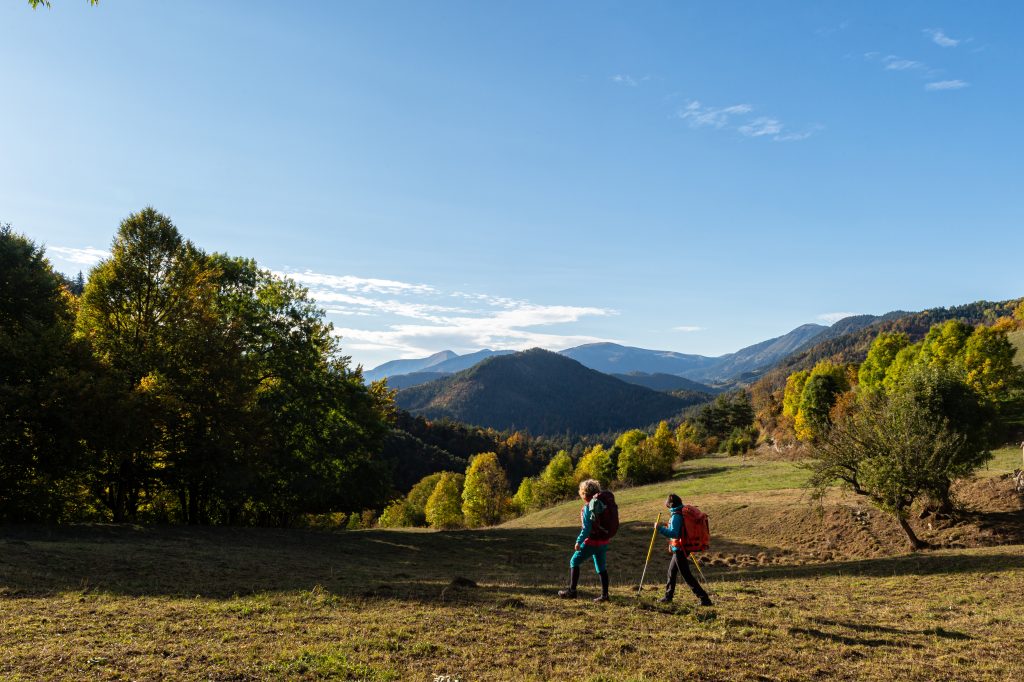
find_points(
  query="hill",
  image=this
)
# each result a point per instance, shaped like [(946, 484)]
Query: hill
[(852, 347), (665, 382), (407, 366), (401, 381), (541, 392)]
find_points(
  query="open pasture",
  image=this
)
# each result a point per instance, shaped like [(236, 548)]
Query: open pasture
[(101, 602)]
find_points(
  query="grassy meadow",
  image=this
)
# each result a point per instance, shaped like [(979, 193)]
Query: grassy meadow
[(801, 593)]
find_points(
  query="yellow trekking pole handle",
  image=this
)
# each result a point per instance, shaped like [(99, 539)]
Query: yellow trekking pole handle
[(654, 534)]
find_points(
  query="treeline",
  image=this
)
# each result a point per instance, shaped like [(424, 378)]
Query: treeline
[(180, 386), (482, 494), (900, 427)]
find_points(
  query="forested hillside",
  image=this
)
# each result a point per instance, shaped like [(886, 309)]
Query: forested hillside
[(542, 392)]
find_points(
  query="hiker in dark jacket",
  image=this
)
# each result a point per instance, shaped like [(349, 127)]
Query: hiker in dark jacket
[(679, 563), (589, 544)]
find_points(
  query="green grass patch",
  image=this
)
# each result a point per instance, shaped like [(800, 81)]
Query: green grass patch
[(1004, 461)]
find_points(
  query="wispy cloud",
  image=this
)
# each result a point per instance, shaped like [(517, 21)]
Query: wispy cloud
[(741, 118), (410, 320), (941, 39), (699, 116), (688, 328), (87, 256), (760, 127), (357, 284), (946, 85), (625, 79), (894, 63), (832, 318)]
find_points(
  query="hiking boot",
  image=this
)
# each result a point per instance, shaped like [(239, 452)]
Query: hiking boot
[(602, 598), (568, 593), (706, 601), (667, 599)]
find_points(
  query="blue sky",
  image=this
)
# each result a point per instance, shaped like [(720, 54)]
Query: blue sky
[(674, 175)]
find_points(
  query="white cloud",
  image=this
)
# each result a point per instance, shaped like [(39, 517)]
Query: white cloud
[(86, 256), (352, 283), (739, 117), (699, 116), (946, 85), (688, 328), (893, 63), (760, 127), (625, 79), (832, 318), (413, 320), (940, 38)]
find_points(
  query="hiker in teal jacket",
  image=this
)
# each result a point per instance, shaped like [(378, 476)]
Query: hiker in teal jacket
[(679, 563), (590, 543)]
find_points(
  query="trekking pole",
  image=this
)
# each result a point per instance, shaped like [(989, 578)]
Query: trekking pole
[(654, 534), (700, 572)]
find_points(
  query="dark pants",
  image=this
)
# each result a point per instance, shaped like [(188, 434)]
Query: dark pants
[(680, 563)]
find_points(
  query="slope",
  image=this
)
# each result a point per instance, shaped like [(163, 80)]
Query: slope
[(542, 392)]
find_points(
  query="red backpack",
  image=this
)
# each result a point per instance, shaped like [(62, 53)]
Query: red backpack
[(606, 525), (696, 534)]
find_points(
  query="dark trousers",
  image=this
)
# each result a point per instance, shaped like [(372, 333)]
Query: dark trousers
[(680, 563)]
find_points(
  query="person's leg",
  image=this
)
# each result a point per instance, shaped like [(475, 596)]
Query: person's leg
[(574, 574), (601, 566), (670, 582), (683, 561)]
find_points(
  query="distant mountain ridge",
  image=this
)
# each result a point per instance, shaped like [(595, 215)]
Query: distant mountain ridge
[(665, 382), (613, 358), (542, 392)]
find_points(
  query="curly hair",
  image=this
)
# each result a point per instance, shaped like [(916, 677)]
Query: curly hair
[(590, 487)]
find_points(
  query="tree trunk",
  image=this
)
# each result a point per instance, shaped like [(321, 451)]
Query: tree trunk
[(915, 542)]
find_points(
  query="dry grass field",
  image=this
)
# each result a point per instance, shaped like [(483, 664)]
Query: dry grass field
[(801, 593)]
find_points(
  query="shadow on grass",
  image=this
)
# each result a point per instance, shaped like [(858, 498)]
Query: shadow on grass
[(219, 563), (863, 627), (700, 472), (854, 641), (921, 563)]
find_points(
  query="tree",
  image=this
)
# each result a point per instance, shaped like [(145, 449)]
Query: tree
[(988, 364), (485, 496), (632, 466), (880, 357), (944, 344), (444, 507), (43, 387), (896, 449), (557, 481), (398, 514), (824, 384), (596, 463), (526, 499), (419, 494)]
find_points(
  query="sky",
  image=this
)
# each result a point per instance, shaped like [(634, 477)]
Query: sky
[(685, 176)]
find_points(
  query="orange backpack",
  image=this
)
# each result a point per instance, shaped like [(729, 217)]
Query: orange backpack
[(696, 534)]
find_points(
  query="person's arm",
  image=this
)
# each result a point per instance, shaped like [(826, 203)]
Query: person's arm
[(585, 531), (674, 527)]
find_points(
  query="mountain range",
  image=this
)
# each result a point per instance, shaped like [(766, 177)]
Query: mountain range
[(744, 365)]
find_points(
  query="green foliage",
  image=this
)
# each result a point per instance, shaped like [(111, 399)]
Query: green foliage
[(596, 463), (398, 514), (794, 390), (645, 459), (444, 506), (823, 386), (557, 481), (989, 366), (880, 357), (945, 343), (46, 3), (485, 496), (898, 448), (45, 411), (526, 498), (419, 494), (716, 421)]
